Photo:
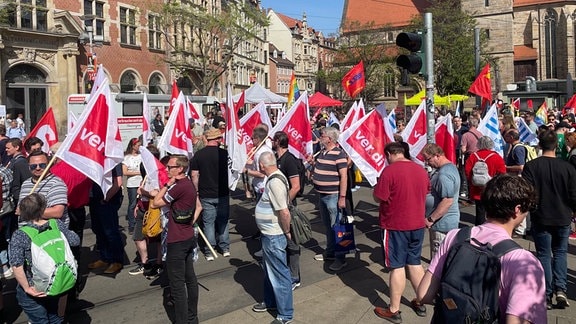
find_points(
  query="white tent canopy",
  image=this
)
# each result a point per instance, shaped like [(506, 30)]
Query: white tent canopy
[(257, 93)]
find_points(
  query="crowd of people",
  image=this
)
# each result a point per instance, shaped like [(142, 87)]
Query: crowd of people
[(412, 200)]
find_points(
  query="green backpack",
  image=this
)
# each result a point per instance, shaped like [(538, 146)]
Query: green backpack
[(54, 269)]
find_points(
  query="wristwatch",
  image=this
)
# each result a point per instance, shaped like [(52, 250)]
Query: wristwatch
[(430, 219)]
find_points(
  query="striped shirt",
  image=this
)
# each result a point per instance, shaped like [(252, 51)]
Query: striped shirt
[(273, 200), (53, 189), (326, 170)]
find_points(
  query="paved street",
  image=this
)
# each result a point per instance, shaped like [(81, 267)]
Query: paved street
[(229, 286)]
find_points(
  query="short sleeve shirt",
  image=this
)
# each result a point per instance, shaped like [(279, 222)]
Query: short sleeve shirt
[(522, 285), (517, 155), (53, 189), (273, 200), (445, 183), (180, 196)]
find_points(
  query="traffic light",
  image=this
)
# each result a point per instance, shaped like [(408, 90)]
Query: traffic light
[(413, 62)]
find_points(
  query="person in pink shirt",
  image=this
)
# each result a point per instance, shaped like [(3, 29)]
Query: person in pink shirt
[(522, 289)]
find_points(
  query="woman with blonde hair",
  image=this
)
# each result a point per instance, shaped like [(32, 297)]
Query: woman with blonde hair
[(131, 170)]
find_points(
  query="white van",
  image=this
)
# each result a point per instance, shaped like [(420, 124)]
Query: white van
[(129, 109)]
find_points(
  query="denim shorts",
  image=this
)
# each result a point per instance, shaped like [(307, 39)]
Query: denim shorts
[(402, 248)]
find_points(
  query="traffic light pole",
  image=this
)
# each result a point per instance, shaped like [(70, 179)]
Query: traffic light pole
[(429, 41)]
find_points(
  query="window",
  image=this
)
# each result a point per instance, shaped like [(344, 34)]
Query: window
[(154, 86), (28, 14), (128, 82), (486, 3), (94, 16), (127, 26), (154, 32)]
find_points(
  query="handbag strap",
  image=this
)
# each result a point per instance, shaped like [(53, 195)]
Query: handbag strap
[(277, 176)]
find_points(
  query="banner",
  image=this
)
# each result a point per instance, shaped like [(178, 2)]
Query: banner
[(296, 124), (415, 133), (94, 146), (354, 81), (257, 115), (176, 138), (235, 142), (46, 130)]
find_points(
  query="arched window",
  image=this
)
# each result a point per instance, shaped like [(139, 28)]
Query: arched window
[(24, 73), (156, 80), (550, 21), (128, 82), (185, 85)]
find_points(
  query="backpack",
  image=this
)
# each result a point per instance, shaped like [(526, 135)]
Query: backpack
[(54, 269), (300, 226), (470, 282), (531, 153), (480, 174)]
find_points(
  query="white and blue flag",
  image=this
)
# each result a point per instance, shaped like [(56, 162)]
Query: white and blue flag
[(526, 134), (489, 127)]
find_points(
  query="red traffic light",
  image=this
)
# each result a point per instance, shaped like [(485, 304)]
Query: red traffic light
[(409, 41)]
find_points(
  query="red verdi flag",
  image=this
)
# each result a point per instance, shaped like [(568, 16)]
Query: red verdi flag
[(415, 133), (94, 146), (176, 138), (444, 137), (156, 172), (258, 115), (364, 142), (354, 81), (175, 93), (235, 142), (146, 129), (482, 86), (46, 130), (296, 124)]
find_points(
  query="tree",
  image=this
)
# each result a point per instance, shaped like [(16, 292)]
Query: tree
[(453, 29), (202, 41), (363, 42)]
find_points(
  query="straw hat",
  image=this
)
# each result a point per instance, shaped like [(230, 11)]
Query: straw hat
[(213, 133)]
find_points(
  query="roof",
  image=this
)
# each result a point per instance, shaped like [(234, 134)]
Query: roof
[(524, 3), (279, 60), (524, 53), (293, 23), (393, 13)]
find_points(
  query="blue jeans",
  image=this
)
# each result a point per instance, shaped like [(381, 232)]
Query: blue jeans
[(39, 310), (104, 218), (277, 279), (328, 205), (215, 213), (551, 249), (183, 282), (132, 193)]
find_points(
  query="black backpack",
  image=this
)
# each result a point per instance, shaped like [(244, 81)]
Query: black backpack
[(470, 283), (301, 171)]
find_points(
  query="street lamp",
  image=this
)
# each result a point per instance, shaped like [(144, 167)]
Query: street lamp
[(92, 40)]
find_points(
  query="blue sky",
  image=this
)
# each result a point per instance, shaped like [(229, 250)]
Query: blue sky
[(323, 15)]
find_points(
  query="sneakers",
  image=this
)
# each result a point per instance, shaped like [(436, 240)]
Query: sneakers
[(549, 305), (114, 268), (154, 271), (226, 254), (418, 308), (561, 300), (338, 265), (139, 269), (281, 321), (295, 285), (572, 236), (324, 257), (386, 314), (261, 307), (209, 257), (97, 264)]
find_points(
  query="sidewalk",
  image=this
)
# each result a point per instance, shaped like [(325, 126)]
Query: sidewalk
[(351, 295)]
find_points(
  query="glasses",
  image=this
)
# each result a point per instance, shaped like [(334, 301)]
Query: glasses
[(35, 166), (169, 167)]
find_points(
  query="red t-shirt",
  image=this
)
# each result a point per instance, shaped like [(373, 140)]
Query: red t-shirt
[(495, 164), (181, 196), (402, 189)]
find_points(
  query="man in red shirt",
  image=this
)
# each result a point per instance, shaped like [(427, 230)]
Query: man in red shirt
[(401, 191), (495, 165)]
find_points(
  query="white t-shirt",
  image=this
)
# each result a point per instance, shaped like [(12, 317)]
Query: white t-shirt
[(274, 199), (132, 162)]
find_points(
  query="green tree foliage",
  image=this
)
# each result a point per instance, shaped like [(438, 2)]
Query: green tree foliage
[(201, 41), (363, 42), (453, 32)]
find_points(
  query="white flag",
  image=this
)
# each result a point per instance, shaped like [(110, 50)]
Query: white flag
[(235, 143), (146, 129), (489, 127)]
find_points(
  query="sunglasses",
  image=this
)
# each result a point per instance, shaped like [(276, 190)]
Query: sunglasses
[(170, 167), (39, 165)]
